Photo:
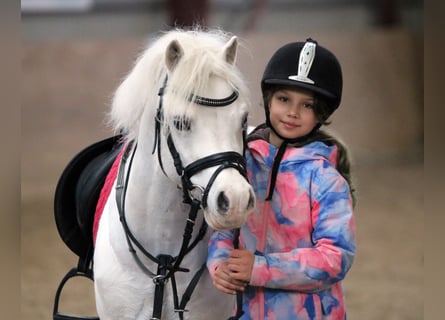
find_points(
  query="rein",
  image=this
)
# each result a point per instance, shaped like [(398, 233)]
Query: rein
[(168, 265)]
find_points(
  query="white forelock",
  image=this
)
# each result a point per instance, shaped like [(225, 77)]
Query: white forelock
[(202, 59)]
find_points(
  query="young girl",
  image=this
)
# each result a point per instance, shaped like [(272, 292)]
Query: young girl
[(298, 245)]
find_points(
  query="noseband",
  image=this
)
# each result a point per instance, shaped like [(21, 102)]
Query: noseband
[(228, 159)]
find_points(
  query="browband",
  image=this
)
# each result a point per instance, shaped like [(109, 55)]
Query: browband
[(208, 102)]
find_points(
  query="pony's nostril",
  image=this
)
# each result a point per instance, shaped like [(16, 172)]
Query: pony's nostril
[(223, 203), (250, 204)]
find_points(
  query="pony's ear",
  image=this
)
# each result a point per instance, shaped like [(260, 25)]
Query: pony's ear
[(173, 54), (230, 50)]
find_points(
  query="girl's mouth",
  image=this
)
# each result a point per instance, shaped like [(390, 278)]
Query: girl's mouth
[(289, 125)]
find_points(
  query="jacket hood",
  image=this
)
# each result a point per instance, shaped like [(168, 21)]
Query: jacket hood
[(258, 142)]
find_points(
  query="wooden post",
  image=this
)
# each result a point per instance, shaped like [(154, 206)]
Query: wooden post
[(188, 13)]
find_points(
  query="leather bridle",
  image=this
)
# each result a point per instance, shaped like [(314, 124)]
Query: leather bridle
[(228, 159), (167, 264)]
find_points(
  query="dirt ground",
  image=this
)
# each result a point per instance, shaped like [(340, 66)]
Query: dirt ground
[(63, 108)]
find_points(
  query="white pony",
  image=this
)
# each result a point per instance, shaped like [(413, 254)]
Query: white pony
[(183, 109)]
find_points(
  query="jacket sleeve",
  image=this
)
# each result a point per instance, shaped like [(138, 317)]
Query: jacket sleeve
[(220, 245), (317, 267)]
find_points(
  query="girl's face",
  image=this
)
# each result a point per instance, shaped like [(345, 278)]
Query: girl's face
[(291, 113)]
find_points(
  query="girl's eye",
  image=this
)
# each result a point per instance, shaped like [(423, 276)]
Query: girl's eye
[(283, 98), (308, 105), (182, 124)]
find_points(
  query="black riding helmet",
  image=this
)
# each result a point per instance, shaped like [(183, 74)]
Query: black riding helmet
[(306, 65)]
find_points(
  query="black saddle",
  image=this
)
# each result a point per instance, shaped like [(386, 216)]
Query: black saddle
[(75, 200), (78, 191)]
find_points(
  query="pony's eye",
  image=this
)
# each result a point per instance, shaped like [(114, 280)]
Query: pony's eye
[(182, 124)]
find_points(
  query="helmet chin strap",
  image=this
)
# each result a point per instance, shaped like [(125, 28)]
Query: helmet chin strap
[(280, 153)]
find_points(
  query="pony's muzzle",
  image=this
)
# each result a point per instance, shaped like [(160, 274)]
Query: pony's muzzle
[(229, 208), (223, 203)]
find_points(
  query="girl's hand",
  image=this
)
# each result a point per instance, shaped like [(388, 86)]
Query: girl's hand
[(240, 264), (224, 282)]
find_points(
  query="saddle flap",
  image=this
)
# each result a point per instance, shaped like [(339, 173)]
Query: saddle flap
[(77, 192), (88, 189)]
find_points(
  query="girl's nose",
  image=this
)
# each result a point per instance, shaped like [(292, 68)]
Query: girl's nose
[(294, 111)]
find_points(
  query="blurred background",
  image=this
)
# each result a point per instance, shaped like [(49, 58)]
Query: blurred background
[(76, 52)]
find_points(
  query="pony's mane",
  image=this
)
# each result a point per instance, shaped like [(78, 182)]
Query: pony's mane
[(202, 59)]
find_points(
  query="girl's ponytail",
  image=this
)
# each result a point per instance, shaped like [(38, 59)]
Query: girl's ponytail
[(344, 167)]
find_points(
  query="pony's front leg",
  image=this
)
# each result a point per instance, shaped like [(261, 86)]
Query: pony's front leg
[(119, 292)]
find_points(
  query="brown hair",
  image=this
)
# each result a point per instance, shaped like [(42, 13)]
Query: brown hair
[(343, 160)]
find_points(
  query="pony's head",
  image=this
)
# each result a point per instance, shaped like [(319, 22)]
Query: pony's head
[(187, 89)]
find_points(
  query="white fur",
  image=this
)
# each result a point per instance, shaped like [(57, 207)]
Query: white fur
[(202, 64)]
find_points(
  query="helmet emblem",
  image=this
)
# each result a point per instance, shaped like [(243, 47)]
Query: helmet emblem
[(307, 56)]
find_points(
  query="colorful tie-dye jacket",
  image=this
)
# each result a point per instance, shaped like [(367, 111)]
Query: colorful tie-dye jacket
[(303, 239)]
